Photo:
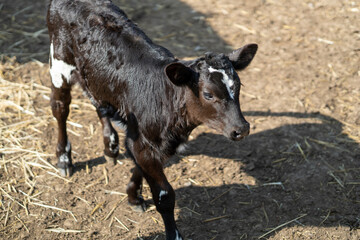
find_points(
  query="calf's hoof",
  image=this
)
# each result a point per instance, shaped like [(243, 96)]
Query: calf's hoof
[(139, 205), (139, 208), (110, 160), (66, 171)]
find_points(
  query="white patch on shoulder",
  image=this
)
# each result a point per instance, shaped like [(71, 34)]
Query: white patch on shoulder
[(59, 69), (226, 80), (162, 193)]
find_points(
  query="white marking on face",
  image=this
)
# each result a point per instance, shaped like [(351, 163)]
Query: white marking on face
[(64, 158), (226, 80), (59, 69), (162, 193)]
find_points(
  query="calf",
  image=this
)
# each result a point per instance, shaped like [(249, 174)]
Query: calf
[(142, 86)]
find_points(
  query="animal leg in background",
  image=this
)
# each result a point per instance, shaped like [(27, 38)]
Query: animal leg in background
[(111, 138), (134, 190)]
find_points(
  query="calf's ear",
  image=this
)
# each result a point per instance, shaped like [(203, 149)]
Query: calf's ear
[(242, 57), (179, 74)]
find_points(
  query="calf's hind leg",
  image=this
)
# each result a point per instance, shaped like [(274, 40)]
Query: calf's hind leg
[(110, 136), (60, 100), (134, 191)]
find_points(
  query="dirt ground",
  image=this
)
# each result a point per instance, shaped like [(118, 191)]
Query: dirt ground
[(297, 176)]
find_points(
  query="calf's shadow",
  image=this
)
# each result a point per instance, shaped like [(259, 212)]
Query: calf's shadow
[(308, 171)]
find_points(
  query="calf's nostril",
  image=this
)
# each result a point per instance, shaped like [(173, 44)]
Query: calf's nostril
[(240, 133), (236, 134)]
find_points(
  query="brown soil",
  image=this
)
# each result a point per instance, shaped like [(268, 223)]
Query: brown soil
[(297, 176)]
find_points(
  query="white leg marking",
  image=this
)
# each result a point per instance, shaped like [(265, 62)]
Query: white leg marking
[(112, 138), (59, 69), (64, 158), (181, 148), (68, 147), (112, 143), (178, 235), (162, 193), (226, 80)]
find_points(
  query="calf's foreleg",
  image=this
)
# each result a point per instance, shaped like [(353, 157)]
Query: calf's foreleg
[(162, 192)]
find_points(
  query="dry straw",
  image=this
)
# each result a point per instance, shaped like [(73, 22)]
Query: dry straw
[(23, 123)]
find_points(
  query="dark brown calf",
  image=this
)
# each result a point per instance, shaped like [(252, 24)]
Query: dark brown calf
[(142, 86)]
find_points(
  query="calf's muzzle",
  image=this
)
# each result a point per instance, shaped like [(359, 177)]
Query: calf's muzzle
[(240, 132)]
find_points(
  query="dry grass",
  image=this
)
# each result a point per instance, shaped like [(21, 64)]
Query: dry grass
[(25, 117), (22, 128)]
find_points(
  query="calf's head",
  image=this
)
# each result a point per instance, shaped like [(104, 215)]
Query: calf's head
[(212, 89)]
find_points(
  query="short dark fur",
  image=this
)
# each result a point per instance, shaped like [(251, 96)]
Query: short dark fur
[(142, 85)]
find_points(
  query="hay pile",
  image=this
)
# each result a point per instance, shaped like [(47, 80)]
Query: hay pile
[(21, 128), (24, 117)]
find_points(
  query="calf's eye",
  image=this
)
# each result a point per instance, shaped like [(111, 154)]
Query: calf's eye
[(208, 96)]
